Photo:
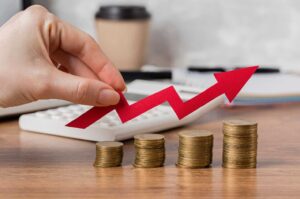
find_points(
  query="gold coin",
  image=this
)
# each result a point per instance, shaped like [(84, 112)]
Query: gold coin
[(196, 134), (239, 144), (150, 150), (149, 137), (108, 154), (195, 149), (240, 123), (109, 144)]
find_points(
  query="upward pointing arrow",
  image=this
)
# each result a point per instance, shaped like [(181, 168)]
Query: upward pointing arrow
[(232, 82), (229, 83)]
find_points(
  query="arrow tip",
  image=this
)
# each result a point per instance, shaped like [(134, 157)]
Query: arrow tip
[(233, 81)]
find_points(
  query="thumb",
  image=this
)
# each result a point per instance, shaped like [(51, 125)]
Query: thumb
[(81, 90)]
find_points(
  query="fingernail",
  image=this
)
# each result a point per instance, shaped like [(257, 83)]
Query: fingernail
[(125, 90), (108, 97)]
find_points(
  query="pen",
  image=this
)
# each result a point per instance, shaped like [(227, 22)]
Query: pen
[(265, 70), (203, 69), (146, 75)]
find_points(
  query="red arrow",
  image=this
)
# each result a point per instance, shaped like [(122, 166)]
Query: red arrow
[(229, 83)]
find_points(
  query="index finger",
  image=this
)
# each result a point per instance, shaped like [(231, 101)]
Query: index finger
[(83, 46)]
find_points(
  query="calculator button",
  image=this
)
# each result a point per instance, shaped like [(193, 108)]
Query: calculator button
[(69, 114), (111, 118), (147, 115), (155, 114), (102, 124), (142, 117), (53, 112), (117, 122), (76, 114), (150, 111), (74, 107), (57, 117), (111, 124), (79, 112), (105, 119), (160, 110), (84, 107), (135, 120), (71, 117), (165, 112), (42, 114), (70, 107), (63, 109)]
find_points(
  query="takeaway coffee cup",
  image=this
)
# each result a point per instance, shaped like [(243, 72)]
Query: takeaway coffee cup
[(122, 34)]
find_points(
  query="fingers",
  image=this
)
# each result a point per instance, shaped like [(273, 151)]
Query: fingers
[(80, 90), (74, 65), (83, 46)]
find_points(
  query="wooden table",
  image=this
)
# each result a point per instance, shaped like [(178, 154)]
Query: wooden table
[(41, 166)]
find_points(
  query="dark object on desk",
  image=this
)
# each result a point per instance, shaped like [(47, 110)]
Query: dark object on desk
[(26, 4), (205, 69), (265, 70), (146, 75)]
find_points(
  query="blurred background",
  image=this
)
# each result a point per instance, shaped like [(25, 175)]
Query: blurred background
[(207, 32)]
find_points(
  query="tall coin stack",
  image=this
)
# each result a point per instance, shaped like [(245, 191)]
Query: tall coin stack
[(239, 144), (150, 150), (195, 149), (108, 154)]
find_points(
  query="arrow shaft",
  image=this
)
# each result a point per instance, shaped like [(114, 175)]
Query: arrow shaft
[(127, 112), (230, 83), (198, 101)]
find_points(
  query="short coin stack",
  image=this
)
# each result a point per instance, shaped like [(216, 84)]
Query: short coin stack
[(108, 154), (150, 150), (239, 144), (195, 149)]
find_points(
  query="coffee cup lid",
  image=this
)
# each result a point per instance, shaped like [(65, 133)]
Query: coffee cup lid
[(122, 12)]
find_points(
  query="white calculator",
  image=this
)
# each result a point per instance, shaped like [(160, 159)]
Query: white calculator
[(110, 128)]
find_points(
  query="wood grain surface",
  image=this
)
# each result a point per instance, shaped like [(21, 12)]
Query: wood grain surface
[(42, 166)]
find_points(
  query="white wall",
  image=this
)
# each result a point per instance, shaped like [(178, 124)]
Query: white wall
[(228, 32)]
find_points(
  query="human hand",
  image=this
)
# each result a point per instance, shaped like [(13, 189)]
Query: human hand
[(33, 43)]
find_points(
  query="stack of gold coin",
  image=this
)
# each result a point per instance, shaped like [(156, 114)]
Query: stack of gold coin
[(150, 150), (195, 149), (109, 154), (239, 144)]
